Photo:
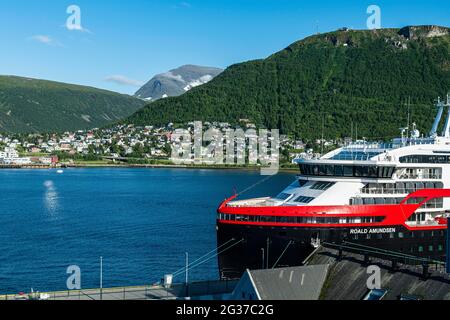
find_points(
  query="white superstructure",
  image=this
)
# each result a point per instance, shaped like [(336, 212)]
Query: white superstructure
[(363, 173)]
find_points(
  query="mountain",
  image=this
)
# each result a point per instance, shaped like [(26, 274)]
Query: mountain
[(336, 81), (30, 105), (176, 82)]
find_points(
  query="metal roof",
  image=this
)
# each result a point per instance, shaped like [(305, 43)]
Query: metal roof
[(293, 283)]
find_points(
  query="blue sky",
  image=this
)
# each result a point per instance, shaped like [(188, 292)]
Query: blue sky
[(130, 41)]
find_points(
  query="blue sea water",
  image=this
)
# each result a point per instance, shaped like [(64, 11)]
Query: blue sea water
[(141, 221)]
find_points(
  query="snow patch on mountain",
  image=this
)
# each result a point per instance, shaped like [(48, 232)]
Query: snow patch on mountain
[(198, 82), (176, 82)]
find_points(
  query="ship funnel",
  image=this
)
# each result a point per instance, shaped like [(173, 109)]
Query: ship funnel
[(446, 132), (440, 106)]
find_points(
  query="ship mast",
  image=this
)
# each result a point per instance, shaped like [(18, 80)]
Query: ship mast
[(446, 132), (440, 107)]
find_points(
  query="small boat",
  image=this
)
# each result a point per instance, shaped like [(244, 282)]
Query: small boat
[(60, 171)]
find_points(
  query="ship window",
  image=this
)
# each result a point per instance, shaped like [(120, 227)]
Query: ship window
[(430, 248), (440, 247), (414, 200), (356, 201), (425, 159), (316, 170), (329, 170), (420, 249), (401, 187), (322, 185), (368, 201), (348, 171), (420, 185), (379, 201), (410, 187), (360, 171), (434, 203), (391, 235), (283, 196), (303, 199), (400, 235), (322, 170), (372, 172), (438, 185), (429, 185), (301, 183)]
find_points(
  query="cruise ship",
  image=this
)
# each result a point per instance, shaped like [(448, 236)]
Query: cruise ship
[(392, 196)]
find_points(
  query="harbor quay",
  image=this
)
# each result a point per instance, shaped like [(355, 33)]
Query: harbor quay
[(196, 290)]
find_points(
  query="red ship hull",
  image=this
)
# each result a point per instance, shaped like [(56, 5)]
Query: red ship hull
[(264, 237)]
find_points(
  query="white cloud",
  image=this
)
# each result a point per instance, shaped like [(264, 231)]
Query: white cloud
[(77, 28), (180, 5), (44, 39), (175, 77), (122, 80)]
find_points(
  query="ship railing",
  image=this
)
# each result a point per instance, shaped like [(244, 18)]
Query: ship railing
[(427, 223), (382, 191), (386, 191), (422, 176), (370, 146), (249, 202), (308, 156), (353, 157)]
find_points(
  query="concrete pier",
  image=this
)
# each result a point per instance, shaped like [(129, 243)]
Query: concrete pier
[(195, 290)]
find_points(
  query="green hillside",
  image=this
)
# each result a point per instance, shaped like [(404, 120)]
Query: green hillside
[(339, 78), (29, 105)]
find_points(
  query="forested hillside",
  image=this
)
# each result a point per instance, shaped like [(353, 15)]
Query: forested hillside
[(340, 78), (30, 105)]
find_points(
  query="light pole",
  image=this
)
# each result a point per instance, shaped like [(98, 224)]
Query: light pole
[(101, 278), (263, 259), (187, 273)]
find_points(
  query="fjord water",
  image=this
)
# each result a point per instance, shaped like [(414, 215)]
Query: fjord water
[(141, 221)]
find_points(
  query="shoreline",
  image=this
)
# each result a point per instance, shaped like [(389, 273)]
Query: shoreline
[(139, 166)]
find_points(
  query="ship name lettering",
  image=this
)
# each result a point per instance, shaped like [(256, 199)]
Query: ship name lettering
[(373, 230)]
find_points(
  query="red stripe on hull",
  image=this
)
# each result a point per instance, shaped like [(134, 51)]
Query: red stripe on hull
[(325, 226), (396, 214)]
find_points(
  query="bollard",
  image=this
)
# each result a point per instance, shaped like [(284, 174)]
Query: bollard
[(366, 258), (394, 264), (425, 269)]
